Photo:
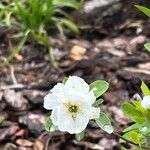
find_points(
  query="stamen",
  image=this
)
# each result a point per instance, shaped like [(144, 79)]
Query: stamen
[(73, 108)]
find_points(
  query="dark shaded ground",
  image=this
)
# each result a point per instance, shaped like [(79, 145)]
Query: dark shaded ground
[(110, 47)]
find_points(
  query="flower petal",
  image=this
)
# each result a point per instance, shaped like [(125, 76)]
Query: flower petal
[(58, 89), (65, 120), (74, 96), (90, 97), (54, 116), (146, 102), (71, 124), (80, 123), (50, 101), (77, 83), (95, 112)]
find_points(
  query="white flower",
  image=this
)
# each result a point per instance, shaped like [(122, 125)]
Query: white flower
[(71, 105), (146, 102)]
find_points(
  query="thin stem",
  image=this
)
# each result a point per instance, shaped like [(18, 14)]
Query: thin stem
[(130, 142), (52, 57)]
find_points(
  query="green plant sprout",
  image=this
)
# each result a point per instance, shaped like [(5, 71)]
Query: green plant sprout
[(139, 112), (31, 18)]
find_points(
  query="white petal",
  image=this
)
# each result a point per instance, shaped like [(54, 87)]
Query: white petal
[(50, 101), (65, 120), (80, 123), (73, 124), (146, 102), (58, 89), (54, 116), (77, 83), (90, 97), (75, 96), (95, 112)]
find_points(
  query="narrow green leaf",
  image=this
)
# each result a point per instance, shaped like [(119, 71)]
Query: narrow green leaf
[(138, 106), (64, 80), (133, 113), (135, 126), (98, 102), (80, 136), (67, 3), (99, 87), (147, 46), (70, 24), (145, 89), (17, 49), (41, 38), (104, 123), (145, 10), (48, 124)]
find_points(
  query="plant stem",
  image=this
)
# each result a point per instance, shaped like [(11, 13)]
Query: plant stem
[(52, 57), (130, 142)]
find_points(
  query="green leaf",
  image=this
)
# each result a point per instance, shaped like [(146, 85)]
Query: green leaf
[(71, 25), (104, 123), (18, 48), (145, 10), (143, 139), (135, 126), (145, 128), (67, 3), (132, 136), (145, 89), (41, 38), (123, 148), (80, 136), (133, 113), (98, 102), (64, 80), (100, 87), (147, 46), (48, 124), (138, 106), (53, 128)]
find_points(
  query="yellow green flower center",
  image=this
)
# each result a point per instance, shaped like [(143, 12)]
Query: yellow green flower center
[(73, 108)]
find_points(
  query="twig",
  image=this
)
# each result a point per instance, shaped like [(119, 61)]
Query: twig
[(130, 142), (14, 86), (12, 74)]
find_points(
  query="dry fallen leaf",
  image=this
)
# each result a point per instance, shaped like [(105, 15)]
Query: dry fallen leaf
[(7, 132), (118, 115), (38, 145), (77, 53), (19, 57), (24, 142)]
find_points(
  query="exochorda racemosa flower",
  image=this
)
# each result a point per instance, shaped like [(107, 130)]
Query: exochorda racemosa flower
[(71, 105)]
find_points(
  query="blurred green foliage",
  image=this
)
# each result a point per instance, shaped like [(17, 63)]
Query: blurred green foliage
[(31, 19)]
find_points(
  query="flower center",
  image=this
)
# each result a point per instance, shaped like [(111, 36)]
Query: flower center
[(73, 108)]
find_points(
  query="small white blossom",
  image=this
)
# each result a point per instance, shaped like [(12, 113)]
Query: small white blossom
[(146, 102), (71, 105)]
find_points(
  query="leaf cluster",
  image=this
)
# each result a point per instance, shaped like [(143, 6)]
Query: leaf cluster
[(139, 131), (32, 18)]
